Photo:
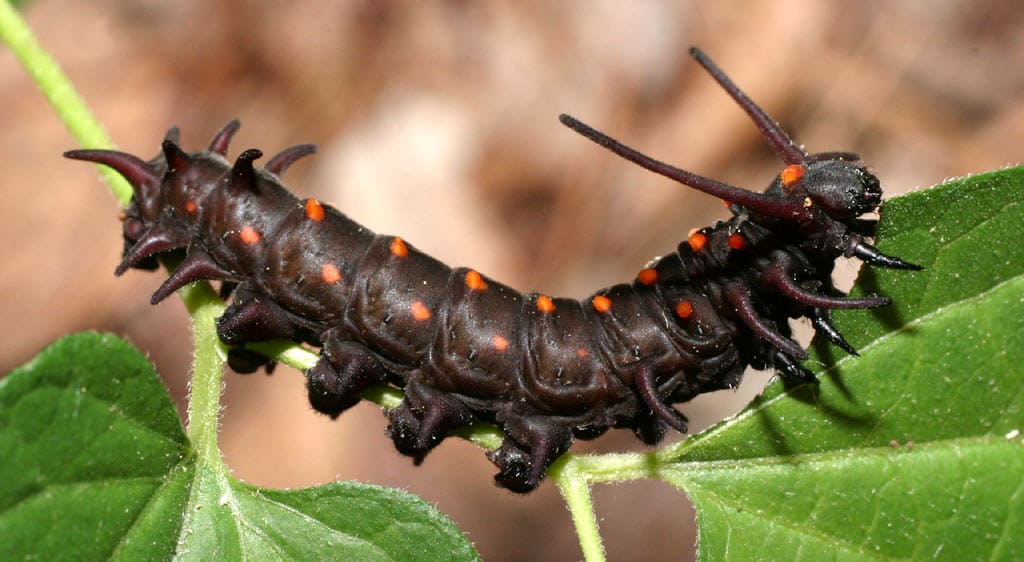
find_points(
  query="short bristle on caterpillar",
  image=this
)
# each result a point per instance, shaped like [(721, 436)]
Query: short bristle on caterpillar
[(463, 346)]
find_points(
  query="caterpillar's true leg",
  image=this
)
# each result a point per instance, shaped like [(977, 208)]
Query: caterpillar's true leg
[(790, 369), (870, 254), (821, 319)]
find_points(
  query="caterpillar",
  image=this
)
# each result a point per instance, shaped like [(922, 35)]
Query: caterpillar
[(463, 346)]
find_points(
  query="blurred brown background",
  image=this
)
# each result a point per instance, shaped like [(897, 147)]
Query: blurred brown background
[(437, 121)]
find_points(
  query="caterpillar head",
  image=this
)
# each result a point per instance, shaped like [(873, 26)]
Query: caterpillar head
[(166, 192), (837, 185), (169, 193)]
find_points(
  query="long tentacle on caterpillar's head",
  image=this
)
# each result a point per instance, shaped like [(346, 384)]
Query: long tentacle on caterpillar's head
[(825, 192)]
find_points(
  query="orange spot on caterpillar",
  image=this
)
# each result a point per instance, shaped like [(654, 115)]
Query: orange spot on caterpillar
[(737, 241), (330, 274), (500, 343), (122, 216), (420, 312), (399, 248), (545, 304), (602, 303), (249, 235), (314, 210), (792, 174), (697, 240), (475, 281), (582, 352), (190, 206), (727, 203), (684, 309), (647, 276)]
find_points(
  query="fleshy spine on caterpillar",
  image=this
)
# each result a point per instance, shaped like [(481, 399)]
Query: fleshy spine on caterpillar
[(463, 346)]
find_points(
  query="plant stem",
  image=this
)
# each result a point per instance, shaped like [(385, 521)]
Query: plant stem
[(60, 93), (576, 491), (207, 372)]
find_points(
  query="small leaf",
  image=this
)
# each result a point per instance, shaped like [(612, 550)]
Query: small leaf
[(912, 451), (96, 466)]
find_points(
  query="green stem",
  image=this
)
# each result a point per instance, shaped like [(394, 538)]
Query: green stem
[(204, 306), (60, 92), (575, 490)]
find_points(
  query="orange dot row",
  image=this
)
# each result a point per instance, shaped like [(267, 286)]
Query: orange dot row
[(249, 235), (476, 282), (697, 240), (330, 274)]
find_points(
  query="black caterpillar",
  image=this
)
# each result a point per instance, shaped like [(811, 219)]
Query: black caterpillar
[(465, 347)]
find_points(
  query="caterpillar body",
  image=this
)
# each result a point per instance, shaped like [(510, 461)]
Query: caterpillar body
[(463, 346)]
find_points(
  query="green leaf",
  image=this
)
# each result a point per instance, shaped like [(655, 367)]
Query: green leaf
[(91, 447), (96, 466), (913, 450)]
